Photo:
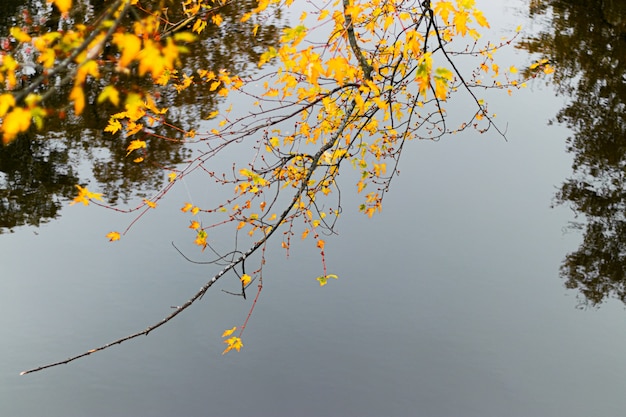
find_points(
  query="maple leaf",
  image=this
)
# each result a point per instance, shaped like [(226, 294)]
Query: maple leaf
[(233, 343), (443, 9), (113, 126), (130, 45), (186, 207), (113, 236), (134, 145), (460, 21), (84, 195), (149, 203), (480, 18)]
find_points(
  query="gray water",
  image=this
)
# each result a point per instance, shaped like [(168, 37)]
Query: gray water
[(448, 303)]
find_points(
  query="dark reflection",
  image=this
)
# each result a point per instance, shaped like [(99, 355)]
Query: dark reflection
[(38, 170), (586, 43)]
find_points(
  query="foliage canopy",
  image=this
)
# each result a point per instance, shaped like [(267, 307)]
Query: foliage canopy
[(345, 83)]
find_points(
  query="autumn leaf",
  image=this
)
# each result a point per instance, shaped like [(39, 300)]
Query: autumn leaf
[(113, 236), (109, 93), (134, 145), (201, 239), (17, 121), (84, 195), (245, 280), (323, 280), (78, 97), (443, 9), (229, 332), (6, 102), (149, 203), (194, 225), (19, 34), (113, 126), (186, 207), (233, 343), (64, 6), (130, 45)]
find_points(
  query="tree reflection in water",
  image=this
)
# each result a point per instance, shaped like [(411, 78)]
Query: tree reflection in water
[(586, 43), (38, 171)]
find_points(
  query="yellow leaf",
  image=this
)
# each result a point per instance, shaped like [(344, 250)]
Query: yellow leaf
[(138, 160), (78, 96), (64, 6), (199, 26), (513, 69), (186, 207), (149, 203), (229, 332), (548, 69), (195, 210), (233, 343), (171, 176), (320, 244), (109, 93), (17, 121), (194, 225), (113, 236), (480, 18), (201, 239), (443, 9), (184, 37), (84, 195), (113, 126), (130, 45), (20, 35), (460, 21), (245, 280), (47, 58), (134, 145), (323, 280), (6, 102), (217, 19)]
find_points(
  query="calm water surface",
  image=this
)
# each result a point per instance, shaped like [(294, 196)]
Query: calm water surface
[(449, 303)]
